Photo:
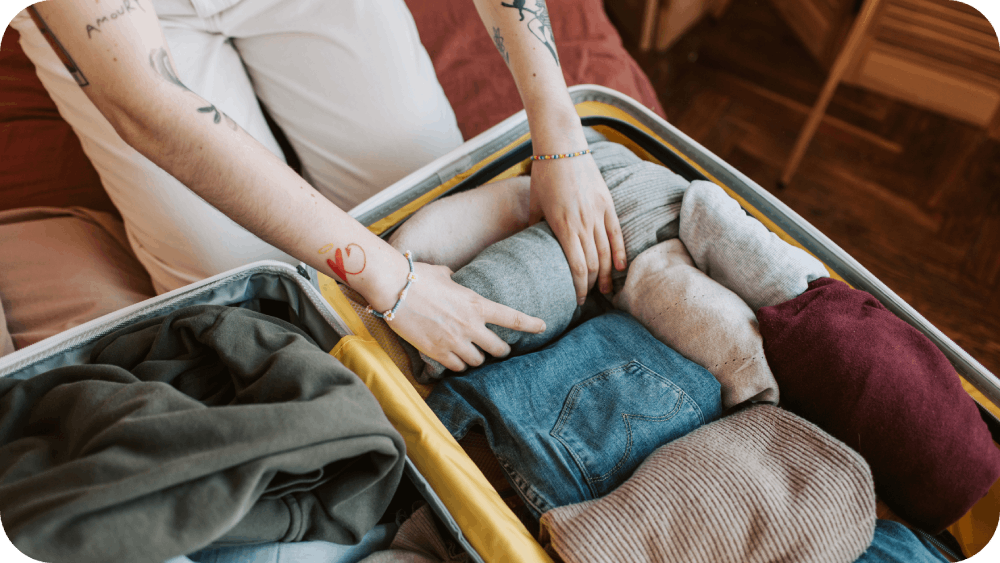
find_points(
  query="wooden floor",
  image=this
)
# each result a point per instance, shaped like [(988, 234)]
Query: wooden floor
[(912, 195)]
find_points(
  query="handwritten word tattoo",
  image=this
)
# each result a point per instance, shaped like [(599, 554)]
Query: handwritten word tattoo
[(498, 41), (61, 51), (540, 26), (338, 265), (159, 59), (126, 7)]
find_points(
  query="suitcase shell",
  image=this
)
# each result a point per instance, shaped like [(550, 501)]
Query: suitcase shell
[(454, 485), (504, 150)]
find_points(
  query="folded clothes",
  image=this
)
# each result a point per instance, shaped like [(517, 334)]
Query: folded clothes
[(698, 317), (739, 252), (210, 425), (528, 271), (760, 485), (870, 379), (572, 421), (895, 543)]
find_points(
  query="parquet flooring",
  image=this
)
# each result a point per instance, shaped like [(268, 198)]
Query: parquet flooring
[(914, 196)]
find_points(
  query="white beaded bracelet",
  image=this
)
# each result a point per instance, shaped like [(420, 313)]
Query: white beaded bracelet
[(410, 278)]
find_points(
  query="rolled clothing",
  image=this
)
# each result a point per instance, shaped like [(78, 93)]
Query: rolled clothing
[(867, 377), (739, 252), (208, 426), (698, 317), (571, 422), (529, 272), (759, 485)]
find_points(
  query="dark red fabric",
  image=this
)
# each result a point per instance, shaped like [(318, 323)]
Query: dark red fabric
[(478, 83), (846, 363), (43, 163)]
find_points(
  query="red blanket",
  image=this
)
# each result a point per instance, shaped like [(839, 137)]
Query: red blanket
[(476, 80)]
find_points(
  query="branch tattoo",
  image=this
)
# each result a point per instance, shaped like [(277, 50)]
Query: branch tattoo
[(61, 51), (540, 26), (498, 41), (338, 265), (160, 61)]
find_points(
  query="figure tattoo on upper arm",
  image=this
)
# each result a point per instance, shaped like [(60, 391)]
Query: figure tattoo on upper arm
[(540, 26), (159, 59), (61, 52)]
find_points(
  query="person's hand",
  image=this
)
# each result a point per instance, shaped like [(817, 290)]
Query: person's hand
[(576, 203), (446, 321)]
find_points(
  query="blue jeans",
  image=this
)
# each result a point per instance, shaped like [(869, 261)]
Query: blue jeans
[(895, 543), (572, 421)]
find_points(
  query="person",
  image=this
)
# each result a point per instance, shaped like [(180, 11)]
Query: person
[(163, 95)]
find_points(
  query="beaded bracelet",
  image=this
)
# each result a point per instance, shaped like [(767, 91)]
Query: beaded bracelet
[(410, 278), (567, 155)]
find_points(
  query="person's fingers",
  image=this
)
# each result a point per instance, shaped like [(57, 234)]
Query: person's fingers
[(614, 231), (470, 354), (577, 261), (593, 260), (491, 343), (451, 361), (604, 255), (502, 315)]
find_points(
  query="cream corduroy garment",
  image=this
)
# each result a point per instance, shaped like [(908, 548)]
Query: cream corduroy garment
[(759, 485), (699, 318)]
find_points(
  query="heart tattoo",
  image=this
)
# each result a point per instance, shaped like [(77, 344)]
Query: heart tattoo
[(337, 264)]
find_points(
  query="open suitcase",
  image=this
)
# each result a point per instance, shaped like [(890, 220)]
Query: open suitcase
[(442, 471)]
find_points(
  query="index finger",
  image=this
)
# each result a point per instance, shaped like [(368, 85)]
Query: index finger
[(502, 315)]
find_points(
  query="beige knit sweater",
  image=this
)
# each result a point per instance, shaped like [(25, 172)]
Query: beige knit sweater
[(759, 485)]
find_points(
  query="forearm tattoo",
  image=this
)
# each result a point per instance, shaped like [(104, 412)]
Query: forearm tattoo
[(61, 52), (540, 25), (126, 7), (353, 266), (159, 59)]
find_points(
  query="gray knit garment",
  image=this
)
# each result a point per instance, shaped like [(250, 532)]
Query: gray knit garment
[(762, 485), (529, 272), (739, 252), (647, 197)]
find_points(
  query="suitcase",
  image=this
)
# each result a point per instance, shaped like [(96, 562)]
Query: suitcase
[(503, 152), (454, 485)]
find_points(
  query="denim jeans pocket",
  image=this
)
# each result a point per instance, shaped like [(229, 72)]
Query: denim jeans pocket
[(612, 421)]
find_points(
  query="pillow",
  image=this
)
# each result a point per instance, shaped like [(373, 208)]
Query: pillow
[(846, 363), (6, 344), (61, 267)]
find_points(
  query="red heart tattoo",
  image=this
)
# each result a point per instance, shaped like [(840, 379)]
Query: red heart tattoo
[(337, 264)]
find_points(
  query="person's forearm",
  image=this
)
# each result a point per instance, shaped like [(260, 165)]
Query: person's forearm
[(522, 32), (125, 69), (205, 150)]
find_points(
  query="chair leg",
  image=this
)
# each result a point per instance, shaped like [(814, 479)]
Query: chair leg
[(650, 15), (844, 58)]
